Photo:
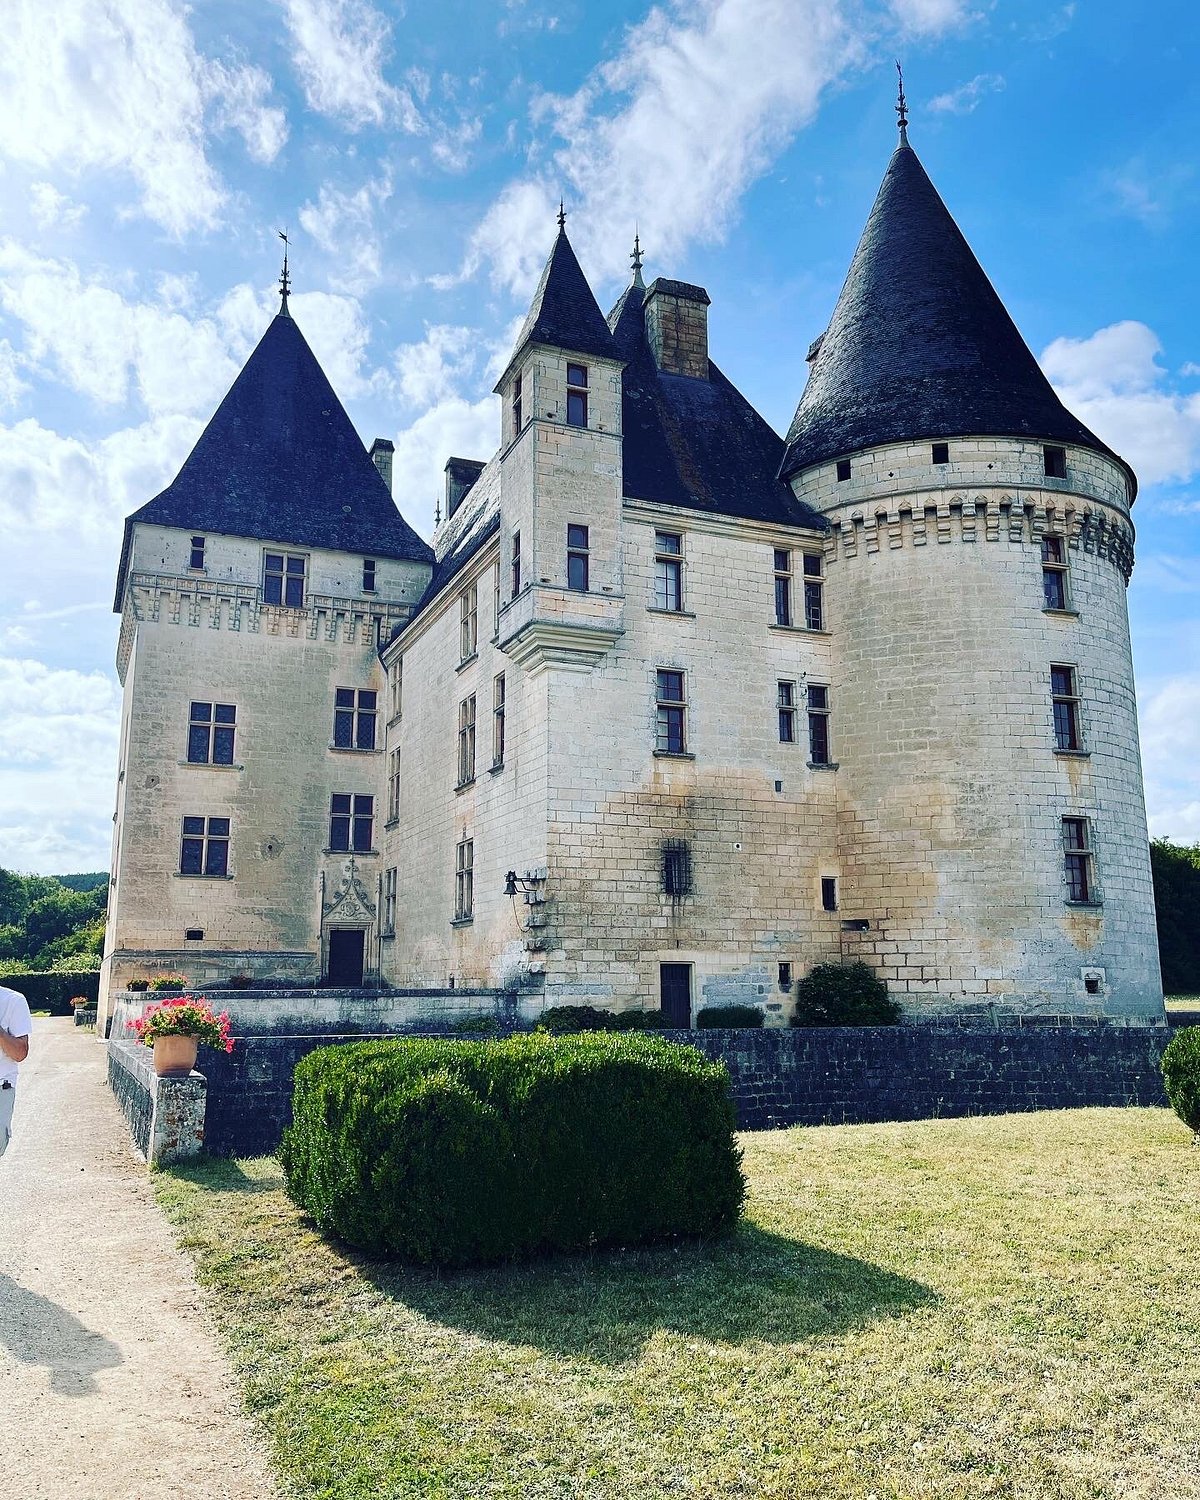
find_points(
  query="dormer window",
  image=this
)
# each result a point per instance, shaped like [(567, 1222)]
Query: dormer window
[(283, 579), (577, 396), (516, 406)]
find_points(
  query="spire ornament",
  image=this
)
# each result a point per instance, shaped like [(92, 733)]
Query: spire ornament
[(635, 260), (902, 106), (562, 217), (285, 281)]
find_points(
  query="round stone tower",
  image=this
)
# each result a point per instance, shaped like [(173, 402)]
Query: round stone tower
[(992, 825)]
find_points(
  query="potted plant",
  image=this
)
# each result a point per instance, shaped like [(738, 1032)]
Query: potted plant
[(138, 985), (176, 1027), (77, 1002), (169, 984)]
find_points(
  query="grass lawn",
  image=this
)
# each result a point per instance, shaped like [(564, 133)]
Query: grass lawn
[(952, 1308)]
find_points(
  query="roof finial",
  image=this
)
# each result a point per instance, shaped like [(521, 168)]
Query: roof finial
[(285, 281), (635, 260), (902, 106), (562, 217)]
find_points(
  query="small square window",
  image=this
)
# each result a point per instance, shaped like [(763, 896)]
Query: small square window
[(1055, 462), (941, 453), (843, 469)]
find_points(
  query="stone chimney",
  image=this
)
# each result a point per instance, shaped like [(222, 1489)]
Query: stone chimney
[(461, 474), (677, 327), (381, 456)]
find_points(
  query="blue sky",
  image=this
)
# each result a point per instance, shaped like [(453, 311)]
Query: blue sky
[(149, 153)]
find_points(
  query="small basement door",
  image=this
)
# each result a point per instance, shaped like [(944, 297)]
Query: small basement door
[(675, 994), (346, 945)]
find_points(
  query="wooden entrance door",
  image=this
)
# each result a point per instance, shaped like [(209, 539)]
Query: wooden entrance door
[(346, 945), (675, 993)]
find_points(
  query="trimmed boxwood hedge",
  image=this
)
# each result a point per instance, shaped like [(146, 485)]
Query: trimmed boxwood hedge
[(54, 991), (737, 1016), (448, 1152), (565, 1019), (1181, 1075), (844, 995)]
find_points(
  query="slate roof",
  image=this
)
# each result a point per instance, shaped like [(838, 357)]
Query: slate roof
[(920, 346), (696, 443), (281, 460), (564, 312)]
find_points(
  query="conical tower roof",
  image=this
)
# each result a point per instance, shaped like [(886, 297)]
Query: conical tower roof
[(920, 346), (280, 460), (564, 313)]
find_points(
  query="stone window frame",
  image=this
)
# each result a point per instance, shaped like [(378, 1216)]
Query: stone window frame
[(829, 893), (782, 563), (1056, 589), (369, 570), (390, 880), (786, 706), (820, 755), (291, 576), (464, 880), (352, 823), (1067, 708), (1079, 861), (466, 741), (813, 574), (670, 711), (355, 719), (579, 552), (468, 624), (668, 571), (499, 718), (515, 564), (1054, 460), (396, 689), (196, 554), (216, 725), (393, 802), (577, 394), (516, 406), (204, 842)]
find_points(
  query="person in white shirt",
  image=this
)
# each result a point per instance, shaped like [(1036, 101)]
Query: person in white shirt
[(15, 1026)]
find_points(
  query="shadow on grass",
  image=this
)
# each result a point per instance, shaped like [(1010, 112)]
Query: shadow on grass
[(751, 1287)]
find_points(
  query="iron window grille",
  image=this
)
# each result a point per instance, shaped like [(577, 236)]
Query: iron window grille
[(1065, 697), (283, 579), (466, 741), (211, 729), (818, 724), (577, 396), (577, 559), (205, 846), (783, 586), (814, 601), (1077, 857), (676, 868), (351, 822), (671, 719), (354, 714), (1054, 572), (786, 698), (464, 881), (668, 571)]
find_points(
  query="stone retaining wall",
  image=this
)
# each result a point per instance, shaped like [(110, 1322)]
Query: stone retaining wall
[(795, 1077), (166, 1115)]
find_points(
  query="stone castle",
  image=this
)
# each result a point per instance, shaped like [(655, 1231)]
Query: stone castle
[(674, 708)]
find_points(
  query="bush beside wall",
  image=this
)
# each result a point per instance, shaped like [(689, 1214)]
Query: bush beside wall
[(1181, 1075), (735, 1017), (447, 1152), (52, 991)]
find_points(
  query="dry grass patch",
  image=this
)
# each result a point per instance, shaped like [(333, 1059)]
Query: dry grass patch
[(973, 1308)]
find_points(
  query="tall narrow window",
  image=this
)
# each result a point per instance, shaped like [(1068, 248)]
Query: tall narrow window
[(516, 407), (496, 602), (498, 712), (468, 637), (393, 803), (466, 741), (1054, 572), (668, 571), (464, 880), (283, 579), (671, 715), (351, 822), (1054, 461), (211, 730), (577, 559), (676, 868), (197, 552), (814, 602), (368, 575), (396, 688), (577, 396), (829, 901), (787, 713), (818, 724), (1077, 855), (783, 586), (355, 711), (389, 902), (1064, 692), (205, 847), (516, 565)]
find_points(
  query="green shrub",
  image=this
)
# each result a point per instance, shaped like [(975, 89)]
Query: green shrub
[(54, 991), (843, 995), (1181, 1075), (138, 985), (565, 1019), (738, 1016), (448, 1152), (478, 1026)]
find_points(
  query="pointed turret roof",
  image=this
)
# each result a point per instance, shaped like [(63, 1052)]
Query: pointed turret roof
[(281, 461), (564, 313), (920, 346)]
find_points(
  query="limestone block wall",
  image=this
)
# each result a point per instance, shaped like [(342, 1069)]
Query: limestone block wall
[(951, 794)]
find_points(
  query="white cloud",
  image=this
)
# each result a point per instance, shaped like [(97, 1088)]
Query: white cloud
[(965, 99), (454, 427), (52, 209), (429, 371), (670, 132), (102, 86), (340, 50), (343, 226), (1170, 730), (452, 144), (338, 334), (1147, 193), (58, 751), (12, 386), (1114, 382)]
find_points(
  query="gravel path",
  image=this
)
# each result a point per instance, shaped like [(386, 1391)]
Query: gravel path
[(111, 1380)]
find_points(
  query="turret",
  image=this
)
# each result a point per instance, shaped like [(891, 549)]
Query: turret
[(991, 820)]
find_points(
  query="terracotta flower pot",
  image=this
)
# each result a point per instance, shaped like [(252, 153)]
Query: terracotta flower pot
[(175, 1056)]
